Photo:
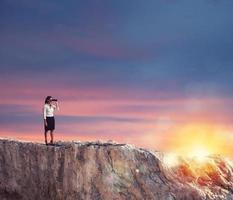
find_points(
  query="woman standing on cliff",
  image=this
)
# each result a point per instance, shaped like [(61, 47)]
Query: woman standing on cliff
[(49, 120)]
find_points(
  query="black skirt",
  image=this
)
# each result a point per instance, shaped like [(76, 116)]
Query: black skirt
[(50, 123)]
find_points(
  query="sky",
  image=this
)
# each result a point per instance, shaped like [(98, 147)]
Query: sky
[(137, 72)]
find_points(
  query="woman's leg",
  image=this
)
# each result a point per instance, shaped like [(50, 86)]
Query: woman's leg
[(51, 136), (45, 135)]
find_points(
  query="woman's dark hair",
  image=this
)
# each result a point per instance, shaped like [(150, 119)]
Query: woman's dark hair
[(47, 99)]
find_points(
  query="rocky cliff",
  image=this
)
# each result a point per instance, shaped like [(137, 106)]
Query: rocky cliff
[(106, 171)]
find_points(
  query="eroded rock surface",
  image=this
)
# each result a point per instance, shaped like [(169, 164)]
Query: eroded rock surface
[(103, 171)]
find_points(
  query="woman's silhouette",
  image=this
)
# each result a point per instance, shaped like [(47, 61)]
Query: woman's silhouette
[(49, 120)]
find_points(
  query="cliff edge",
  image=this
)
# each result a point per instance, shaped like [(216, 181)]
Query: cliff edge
[(106, 171)]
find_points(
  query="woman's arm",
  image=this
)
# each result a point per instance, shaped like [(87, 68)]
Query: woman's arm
[(56, 106), (44, 115)]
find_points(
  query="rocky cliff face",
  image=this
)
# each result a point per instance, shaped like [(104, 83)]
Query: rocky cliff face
[(106, 171)]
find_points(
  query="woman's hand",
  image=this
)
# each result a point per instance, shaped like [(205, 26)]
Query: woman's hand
[(45, 123)]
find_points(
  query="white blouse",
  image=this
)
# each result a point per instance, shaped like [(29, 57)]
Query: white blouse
[(49, 110)]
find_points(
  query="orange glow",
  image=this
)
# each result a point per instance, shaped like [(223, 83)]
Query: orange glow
[(199, 141)]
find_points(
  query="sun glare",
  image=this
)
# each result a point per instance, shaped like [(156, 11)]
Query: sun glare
[(199, 154), (199, 141)]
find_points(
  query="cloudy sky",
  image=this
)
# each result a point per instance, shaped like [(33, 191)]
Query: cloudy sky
[(131, 71)]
